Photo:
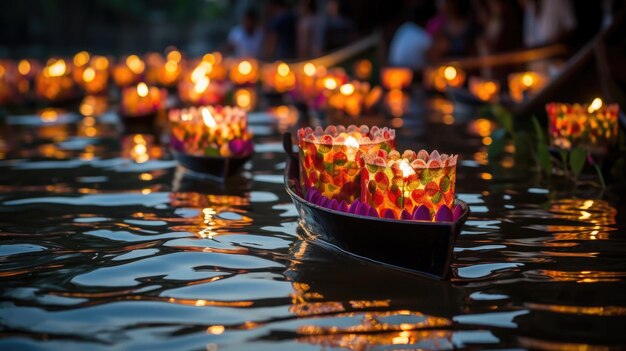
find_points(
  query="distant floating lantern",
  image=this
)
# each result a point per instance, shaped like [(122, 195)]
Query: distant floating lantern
[(525, 83), (484, 89), (279, 77), (396, 77), (197, 88), (94, 78), (244, 72), (443, 77), (594, 127), (354, 98), (245, 99), (140, 148), (142, 100), (211, 131), (55, 82), (128, 71)]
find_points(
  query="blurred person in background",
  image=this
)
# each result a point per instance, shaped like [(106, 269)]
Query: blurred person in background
[(337, 29), (245, 39), (309, 33), (456, 31), (411, 42), (280, 38), (548, 22)]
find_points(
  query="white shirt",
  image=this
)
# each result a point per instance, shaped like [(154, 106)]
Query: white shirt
[(409, 46), (245, 45), (555, 17)]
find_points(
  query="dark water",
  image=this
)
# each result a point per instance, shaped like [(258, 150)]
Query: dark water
[(98, 251)]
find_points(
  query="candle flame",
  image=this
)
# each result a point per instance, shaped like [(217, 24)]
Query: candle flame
[(309, 69), (57, 69), (201, 85), (330, 84), (351, 142), (527, 79), (89, 74), (135, 64), (81, 58), (208, 118), (406, 169), (595, 105), (243, 98), (282, 69), (175, 56), (347, 89), (100, 62), (449, 73), (244, 67), (142, 89), (23, 67), (171, 66)]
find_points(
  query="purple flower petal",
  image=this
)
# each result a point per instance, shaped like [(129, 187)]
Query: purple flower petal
[(353, 206), (405, 215), (389, 214), (324, 201), (343, 206), (443, 214), (363, 209), (372, 212), (422, 214), (332, 204), (458, 211), (237, 147), (315, 196)]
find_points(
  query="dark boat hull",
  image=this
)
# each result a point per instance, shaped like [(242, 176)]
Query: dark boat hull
[(419, 247), (216, 167)]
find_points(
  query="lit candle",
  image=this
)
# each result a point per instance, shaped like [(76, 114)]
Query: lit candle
[(55, 82), (245, 98), (279, 77), (353, 98), (398, 186), (128, 71), (142, 100), (484, 89), (244, 72), (594, 126), (211, 131), (95, 75), (330, 159), (396, 77), (197, 87), (525, 83), (444, 76)]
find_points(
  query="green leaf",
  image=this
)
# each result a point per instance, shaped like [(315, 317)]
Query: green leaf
[(538, 130), (543, 154), (498, 142), (504, 118), (577, 159)]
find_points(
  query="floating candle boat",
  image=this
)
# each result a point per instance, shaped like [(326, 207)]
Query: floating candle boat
[(331, 158), (211, 140), (523, 84), (142, 100), (54, 82), (418, 244), (197, 87)]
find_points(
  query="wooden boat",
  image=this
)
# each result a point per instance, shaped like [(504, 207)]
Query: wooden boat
[(219, 168), (420, 247)]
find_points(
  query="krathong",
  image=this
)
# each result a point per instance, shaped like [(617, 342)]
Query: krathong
[(211, 131), (409, 186), (54, 82), (141, 100), (331, 158)]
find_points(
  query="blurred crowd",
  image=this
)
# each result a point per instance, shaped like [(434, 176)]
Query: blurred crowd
[(416, 31)]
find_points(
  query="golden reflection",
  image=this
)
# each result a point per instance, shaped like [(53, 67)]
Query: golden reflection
[(559, 346), (286, 116), (597, 212), (588, 310), (371, 331), (140, 148), (583, 276), (215, 329)]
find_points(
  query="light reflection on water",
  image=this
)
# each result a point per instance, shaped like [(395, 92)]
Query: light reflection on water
[(107, 243)]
